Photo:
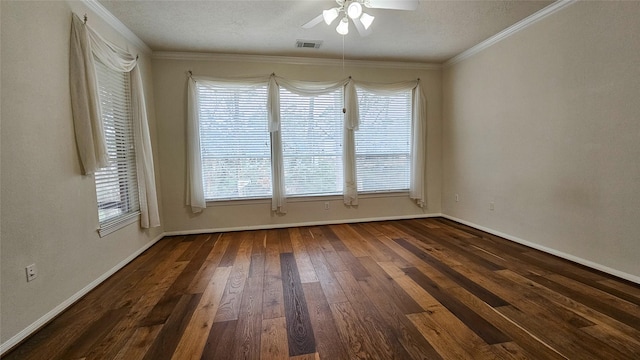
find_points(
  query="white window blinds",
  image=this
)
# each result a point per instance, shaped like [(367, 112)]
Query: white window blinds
[(311, 139), (234, 140), (383, 141), (116, 184)]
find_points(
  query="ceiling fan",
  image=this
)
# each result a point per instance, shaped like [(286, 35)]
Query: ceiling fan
[(353, 9)]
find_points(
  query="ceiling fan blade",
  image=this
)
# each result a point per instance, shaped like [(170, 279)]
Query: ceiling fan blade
[(360, 27), (315, 21), (392, 4)]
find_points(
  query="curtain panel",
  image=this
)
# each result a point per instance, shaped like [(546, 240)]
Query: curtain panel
[(87, 116), (195, 192), (279, 196)]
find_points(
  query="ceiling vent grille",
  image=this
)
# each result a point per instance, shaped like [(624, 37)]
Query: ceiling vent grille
[(308, 44)]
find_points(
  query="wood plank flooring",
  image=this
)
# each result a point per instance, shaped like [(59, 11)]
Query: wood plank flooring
[(410, 289)]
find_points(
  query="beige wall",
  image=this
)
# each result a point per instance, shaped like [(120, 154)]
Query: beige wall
[(546, 124), (49, 211), (170, 79)]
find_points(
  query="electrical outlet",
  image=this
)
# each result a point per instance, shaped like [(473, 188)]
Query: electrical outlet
[(32, 272), (457, 198), (491, 206), (326, 205)]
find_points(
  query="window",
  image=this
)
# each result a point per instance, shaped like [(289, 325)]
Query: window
[(234, 141), (312, 143), (116, 184), (239, 145), (383, 142)]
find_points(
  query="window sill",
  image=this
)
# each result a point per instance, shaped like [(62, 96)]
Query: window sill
[(117, 224), (302, 198)]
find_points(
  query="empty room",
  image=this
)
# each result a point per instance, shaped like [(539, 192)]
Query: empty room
[(319, 179)]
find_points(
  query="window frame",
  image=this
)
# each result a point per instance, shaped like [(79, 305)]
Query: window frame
[(238, 88), (298, 100), (408, 97)]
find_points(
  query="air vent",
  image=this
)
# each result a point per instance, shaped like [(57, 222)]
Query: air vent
[(309, 44)]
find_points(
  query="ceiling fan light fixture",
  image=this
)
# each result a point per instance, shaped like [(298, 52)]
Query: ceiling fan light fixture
[(330, 15), (354, 10), (367, 20), (343, 26)]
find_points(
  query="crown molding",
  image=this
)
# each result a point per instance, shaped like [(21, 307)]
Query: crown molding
[(121, 28), (526, 22), (290, 60)]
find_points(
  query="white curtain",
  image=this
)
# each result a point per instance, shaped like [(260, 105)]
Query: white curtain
[(195, 189), (279, 196), (351, 123), (310, 88), (85, 103), (85, 44), (418, 146), (418, 131)]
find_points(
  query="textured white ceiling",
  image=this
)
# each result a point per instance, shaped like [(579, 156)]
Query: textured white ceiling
[(434, 33)]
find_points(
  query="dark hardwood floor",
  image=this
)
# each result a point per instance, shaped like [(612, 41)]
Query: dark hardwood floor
[(411, 289)]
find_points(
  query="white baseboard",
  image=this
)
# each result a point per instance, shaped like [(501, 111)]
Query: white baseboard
[(26, 332), (307, 223), (548, 250)]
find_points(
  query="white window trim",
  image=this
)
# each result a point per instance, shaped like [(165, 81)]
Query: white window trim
[(117, 224), (306, 198)]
